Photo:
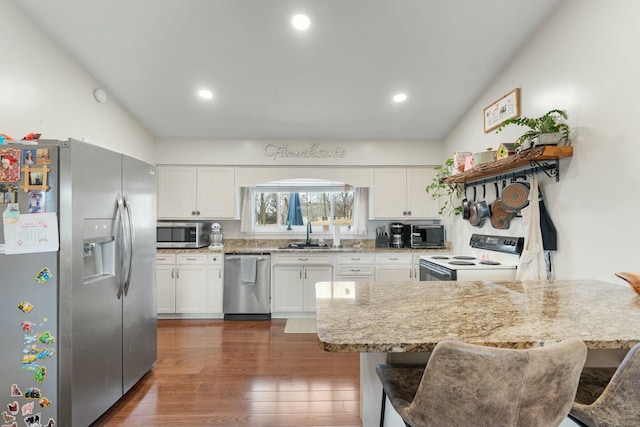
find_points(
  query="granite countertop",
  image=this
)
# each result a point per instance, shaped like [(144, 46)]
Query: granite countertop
[(280, 246), (393, 317)]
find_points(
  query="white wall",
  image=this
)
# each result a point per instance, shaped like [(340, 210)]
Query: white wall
[(43, 90), (585, 60), (341, 153)]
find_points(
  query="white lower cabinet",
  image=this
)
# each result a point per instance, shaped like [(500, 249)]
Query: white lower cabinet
[(293, 282), (189, 283), (165, 284), (191, 288), (215, 281), (394, 267), (354, 267)]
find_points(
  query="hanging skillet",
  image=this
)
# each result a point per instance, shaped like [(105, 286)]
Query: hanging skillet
[(465, 205), (475, 218), (500, 218), (515, 196)]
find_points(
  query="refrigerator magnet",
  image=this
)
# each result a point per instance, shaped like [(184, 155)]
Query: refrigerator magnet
[(13, 408), (11, 213), (8, 418), (41, 374), (46, 338), (15, 391), (33, 420), (36, 202), (44, 402), (30, 339), (50, 423), (27, 408), (27, 326), (44, 275), (9, 164), (25, 306)]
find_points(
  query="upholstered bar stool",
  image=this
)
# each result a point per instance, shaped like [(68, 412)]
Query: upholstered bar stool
[(617, 401), (465, 384)]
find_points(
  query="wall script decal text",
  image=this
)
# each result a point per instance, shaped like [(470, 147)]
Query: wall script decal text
[(283, 151)]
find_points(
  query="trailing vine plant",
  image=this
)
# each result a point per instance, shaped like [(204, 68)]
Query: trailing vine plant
[(448, 194)]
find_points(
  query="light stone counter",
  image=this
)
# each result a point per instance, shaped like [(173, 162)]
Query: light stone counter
[(280, 246), (388, 322), (415, 316)]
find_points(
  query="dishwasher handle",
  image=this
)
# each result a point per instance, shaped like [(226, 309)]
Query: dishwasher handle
[(237, 257)]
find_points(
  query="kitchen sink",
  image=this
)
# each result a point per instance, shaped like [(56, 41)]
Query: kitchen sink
[(305, 245)]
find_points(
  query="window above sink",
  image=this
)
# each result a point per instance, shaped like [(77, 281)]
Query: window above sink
[(288, 205)]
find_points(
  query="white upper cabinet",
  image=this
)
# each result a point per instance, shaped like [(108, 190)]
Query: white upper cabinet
[(188, 192), (399, 193), (216, 193)]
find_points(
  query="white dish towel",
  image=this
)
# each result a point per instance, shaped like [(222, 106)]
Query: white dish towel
[(248, 268)]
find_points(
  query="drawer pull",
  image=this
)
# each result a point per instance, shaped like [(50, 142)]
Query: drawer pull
[(355, 270), (191, 259), (355, 259), (303, 259), (394, 259)]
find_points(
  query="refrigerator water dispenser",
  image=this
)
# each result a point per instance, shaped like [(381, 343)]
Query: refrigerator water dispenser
[(98, 249)]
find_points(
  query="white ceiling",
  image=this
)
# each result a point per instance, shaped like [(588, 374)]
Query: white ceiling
[(333, 82)]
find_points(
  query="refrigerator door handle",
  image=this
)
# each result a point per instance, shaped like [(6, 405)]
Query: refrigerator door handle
[(130, 243), (124, 238)]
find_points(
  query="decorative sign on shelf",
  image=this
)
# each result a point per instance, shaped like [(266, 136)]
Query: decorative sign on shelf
[(276, 152), (507, 107)]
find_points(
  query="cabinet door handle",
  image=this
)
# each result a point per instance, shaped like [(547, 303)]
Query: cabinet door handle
[(301, 273), (219, 274), (305, 273), (177, 273), (410, 273), (193, 213), (172, 273)]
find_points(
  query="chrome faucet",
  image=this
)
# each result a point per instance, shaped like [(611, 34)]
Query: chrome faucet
[(308, 232)]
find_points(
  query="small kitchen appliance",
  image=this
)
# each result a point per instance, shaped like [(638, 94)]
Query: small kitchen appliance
[(491, 258), (431, 236), (182, 235), (216, 236), (396, 238)]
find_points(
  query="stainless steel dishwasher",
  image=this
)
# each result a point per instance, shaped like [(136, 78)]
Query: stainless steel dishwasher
[(247, 286)]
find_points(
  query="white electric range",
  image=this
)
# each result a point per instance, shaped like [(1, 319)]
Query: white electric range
[(490, 258)]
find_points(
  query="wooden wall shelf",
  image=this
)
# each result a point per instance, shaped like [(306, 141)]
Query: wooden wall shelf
[(537, 158)]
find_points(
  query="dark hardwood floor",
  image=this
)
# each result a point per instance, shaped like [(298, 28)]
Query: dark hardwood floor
[(241, 373)]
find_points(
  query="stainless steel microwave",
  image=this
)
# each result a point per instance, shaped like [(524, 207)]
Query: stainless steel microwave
[(182, 235), (427, 236)]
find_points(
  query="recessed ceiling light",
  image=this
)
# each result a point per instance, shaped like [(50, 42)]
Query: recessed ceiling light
[(206, 94), (399, 97), (301, 22)]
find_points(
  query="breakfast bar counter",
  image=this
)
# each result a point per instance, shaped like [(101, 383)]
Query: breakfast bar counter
[(380, 320)]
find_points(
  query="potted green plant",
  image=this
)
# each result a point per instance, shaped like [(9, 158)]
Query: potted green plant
[(449, 193), (547, 129)]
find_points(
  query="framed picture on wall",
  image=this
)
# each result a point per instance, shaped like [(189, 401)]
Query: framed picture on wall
[(507, 107)]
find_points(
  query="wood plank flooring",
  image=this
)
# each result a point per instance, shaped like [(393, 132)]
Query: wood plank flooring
[(241, 373)]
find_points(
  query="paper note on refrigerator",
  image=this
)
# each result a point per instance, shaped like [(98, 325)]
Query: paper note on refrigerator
[(32, 233)]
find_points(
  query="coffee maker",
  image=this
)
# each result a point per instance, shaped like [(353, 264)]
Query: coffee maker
[(396, 239), (216, 236)]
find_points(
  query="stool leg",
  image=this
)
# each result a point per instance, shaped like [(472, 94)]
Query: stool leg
[(384, 402)]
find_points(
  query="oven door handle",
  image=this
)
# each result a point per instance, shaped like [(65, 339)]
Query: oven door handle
[(435, 267)]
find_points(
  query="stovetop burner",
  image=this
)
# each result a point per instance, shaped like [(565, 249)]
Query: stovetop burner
[(487, 262), (439, 257), (462, 262), (464, 257)]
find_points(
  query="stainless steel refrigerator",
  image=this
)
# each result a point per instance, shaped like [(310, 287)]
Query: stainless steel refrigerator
[(87, 312)]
